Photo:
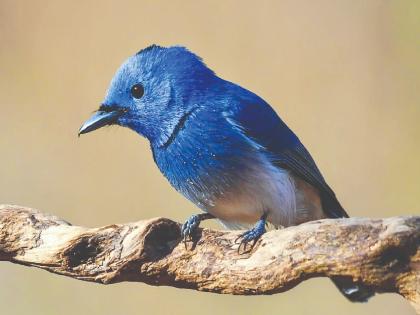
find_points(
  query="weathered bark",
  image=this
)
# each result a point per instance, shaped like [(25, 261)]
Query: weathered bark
[(382, 254)]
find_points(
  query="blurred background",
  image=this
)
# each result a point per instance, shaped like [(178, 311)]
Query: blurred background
[(345, 76)]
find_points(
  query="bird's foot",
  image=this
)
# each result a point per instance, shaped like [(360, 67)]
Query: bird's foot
[(191, 225), (253, 235)]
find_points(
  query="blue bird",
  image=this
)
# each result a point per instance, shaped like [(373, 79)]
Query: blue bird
[(220, 145)]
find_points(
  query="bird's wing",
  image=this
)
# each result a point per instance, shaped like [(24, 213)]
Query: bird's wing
[(259, 122)]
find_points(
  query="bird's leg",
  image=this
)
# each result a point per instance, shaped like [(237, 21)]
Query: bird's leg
[(191, 225), (253, 234)]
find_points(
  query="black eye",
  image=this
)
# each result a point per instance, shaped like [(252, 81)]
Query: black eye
[(137, 90)]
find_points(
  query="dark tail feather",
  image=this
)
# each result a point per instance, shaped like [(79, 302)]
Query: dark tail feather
[(353, 291), (332, 207)]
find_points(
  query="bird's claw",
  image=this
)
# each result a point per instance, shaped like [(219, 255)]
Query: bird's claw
[(253, 235), (189, 227)]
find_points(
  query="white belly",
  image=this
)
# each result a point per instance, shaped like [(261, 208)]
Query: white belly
[(265, 188)]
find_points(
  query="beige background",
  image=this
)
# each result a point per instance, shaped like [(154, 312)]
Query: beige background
[(345, 75)]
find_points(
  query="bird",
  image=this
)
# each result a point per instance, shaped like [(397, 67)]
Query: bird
[(220, 145)]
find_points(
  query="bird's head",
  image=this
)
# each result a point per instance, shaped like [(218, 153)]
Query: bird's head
[(152, 91)]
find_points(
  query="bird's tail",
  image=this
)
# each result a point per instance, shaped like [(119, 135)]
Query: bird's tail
[(353, 291)]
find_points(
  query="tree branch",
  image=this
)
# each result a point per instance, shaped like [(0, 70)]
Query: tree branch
[(383, 254)]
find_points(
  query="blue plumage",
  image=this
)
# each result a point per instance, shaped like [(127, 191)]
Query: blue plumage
[(211, 137), (220, 145)]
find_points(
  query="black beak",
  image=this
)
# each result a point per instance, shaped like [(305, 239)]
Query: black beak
[(100, 119)]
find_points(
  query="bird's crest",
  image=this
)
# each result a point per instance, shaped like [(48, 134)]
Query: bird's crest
[(149, 48)]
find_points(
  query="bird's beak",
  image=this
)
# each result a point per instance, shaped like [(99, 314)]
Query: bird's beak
[(100, 119)]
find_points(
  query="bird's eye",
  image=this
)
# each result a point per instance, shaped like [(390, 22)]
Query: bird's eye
[(137, 90)]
